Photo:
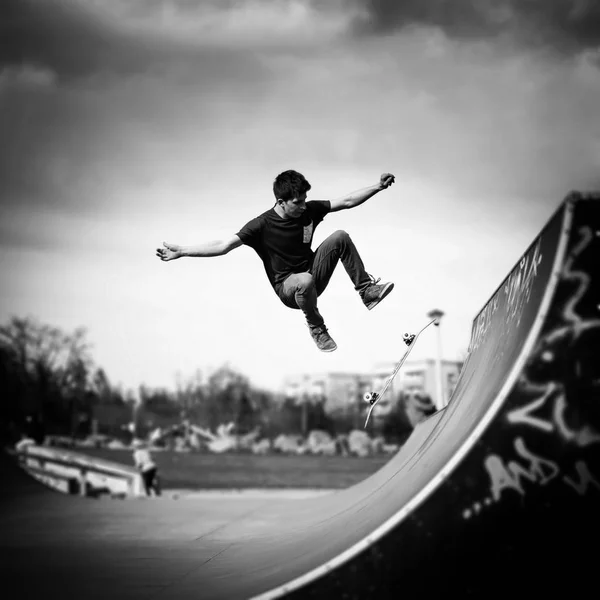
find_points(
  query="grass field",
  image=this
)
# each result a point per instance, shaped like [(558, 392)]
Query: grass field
[(239, 471)]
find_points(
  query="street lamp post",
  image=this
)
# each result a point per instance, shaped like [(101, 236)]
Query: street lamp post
[(440, 401)]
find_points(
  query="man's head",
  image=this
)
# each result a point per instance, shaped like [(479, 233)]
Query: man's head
[(290, 189), (289, 185)]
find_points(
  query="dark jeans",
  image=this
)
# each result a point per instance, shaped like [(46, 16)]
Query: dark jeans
[(301, 290), (150, 479)]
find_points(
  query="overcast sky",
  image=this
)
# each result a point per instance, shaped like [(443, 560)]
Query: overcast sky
[(127, 123)]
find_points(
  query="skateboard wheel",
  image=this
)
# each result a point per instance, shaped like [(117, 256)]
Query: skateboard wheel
[(371, 397)]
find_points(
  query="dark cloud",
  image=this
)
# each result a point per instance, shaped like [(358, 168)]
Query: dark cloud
[(75, 42), (47, 137), (59, 36), (69, 78), (565, 25)]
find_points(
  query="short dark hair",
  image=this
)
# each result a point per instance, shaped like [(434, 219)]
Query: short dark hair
[(290, 184)]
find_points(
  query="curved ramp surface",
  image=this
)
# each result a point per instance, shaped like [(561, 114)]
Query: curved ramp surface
[(496, 494)]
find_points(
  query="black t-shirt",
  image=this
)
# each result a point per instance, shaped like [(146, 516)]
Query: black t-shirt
[(284, 244)]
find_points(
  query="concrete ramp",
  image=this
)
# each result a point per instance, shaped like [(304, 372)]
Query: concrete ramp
[(496, 495)]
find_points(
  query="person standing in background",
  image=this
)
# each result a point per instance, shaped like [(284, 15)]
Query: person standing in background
[(147, 467)]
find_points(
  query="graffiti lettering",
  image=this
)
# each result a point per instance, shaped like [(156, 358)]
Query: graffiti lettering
[(541, 471), (523, 414), (484, 322), (517, 291), (582, 437), (585, 436), (502, 477), (564, 376), (520, 282), (569, 313), (585, 479), (537, 464)]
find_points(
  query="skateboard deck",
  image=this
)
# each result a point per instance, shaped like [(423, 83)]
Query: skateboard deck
[(409, 339)]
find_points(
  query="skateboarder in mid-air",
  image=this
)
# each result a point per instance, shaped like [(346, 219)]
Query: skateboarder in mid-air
[(282, 238)]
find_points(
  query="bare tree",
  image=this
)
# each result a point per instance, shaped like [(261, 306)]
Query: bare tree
[(50, 368)]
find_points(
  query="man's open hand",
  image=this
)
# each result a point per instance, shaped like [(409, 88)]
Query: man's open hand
[(169, 252), (386, 180)]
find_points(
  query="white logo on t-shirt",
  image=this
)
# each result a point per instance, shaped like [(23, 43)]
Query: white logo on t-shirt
[(308, 230)]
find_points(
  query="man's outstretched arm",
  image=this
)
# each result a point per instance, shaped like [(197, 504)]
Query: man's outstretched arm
[(214, 248), (359, 196)]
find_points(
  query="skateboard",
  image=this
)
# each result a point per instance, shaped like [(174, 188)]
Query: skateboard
[(409, 339)]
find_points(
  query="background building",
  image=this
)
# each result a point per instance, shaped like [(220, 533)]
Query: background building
[(342, 392), (420, 376), (339, 390)]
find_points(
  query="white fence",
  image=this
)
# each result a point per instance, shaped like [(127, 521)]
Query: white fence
[(74, 473)]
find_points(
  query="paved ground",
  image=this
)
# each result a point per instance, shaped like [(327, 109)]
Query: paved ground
[(243, 494)]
